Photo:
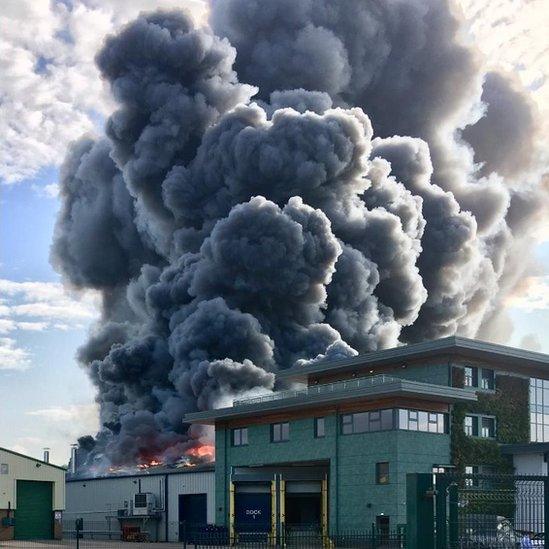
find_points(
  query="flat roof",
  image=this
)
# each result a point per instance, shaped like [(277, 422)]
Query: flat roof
[(156, 471), (32, 459), (519, 359), (312, 397)]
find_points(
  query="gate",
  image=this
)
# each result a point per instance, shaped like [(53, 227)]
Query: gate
[(457, 511)]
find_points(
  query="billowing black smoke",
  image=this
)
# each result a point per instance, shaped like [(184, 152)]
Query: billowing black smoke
[(231, 238)]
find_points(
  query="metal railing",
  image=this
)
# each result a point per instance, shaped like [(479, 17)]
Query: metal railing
[(373, 538), (324, 389)]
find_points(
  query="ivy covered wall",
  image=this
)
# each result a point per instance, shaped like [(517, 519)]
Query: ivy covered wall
[(509, 404)]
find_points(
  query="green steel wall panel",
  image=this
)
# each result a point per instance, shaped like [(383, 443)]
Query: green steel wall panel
[(354, 497)]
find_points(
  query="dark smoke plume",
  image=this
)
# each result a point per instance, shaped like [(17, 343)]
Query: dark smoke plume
[(232, 237)]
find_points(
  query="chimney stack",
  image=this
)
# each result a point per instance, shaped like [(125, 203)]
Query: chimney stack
[(73, 466), (47, 455)]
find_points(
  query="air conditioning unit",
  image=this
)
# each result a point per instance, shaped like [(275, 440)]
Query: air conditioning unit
[(143, 503)]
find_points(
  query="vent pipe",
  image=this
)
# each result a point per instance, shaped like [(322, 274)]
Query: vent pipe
[(73, 466), (46, 455)]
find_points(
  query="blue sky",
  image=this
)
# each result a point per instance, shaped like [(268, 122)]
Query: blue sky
[(47, 399), (51, 95)]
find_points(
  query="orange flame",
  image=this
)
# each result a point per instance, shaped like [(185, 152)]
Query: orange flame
[(205, 450), (152, 463)]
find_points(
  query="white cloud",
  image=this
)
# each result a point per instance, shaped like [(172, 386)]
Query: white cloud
[(37, 307), (513, 36), (50, 88), (47, 301), (86, 414), (51, 190), (9, 325), (532, 294), (13, 357), (60, 426)]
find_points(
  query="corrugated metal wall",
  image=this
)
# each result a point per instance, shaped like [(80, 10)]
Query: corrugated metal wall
[(194, 483), (96, 499)]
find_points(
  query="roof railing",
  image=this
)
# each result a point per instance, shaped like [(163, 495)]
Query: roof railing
[(324, 389)]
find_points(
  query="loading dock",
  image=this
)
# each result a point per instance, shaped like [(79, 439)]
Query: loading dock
[(277, 500)]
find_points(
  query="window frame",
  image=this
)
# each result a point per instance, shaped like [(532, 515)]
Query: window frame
[(477, 430), (237, 433), (320, 433), (490, 379), (383, 479), (280, 427)]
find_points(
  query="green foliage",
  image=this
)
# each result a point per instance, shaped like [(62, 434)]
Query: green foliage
[(509, 404)]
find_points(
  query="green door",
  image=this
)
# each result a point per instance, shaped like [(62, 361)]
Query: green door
[(33, 516)]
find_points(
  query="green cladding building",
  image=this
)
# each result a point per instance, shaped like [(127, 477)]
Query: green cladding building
[(334, 452)]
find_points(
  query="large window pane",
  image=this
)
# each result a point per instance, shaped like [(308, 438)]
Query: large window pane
[(280, 432), (422, 423), (386, 419), (412, 420), (488, 427), (347, 424), (320, 427), (360, 422), (375, 421), (487, 379), (470, 377), (468, 425), (403, 419), (433, 423)]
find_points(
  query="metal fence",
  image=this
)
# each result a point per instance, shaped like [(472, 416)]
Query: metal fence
[(307, 539), (91, 536), (491, 511)]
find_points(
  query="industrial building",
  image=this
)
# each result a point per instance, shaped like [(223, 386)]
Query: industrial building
[(32, 497), (334, 451), (148, 505)]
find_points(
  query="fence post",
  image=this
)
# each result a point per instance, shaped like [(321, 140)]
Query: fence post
[(78, 526), (546, 512), (420, 511)]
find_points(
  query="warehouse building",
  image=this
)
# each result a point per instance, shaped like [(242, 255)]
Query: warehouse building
[(151, 505), (334, 452), (32, 497)]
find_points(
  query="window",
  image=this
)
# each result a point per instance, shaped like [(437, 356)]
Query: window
[(479, 470), (539, 410), (386, 420), (364, 422), (482, 378), (280, 432), (470, 426), (483, 426), (4, 468), (375, 421), (470, 377), (347, 424), (240, 436), (320, 427), (412, 420), (487, 379), (382, 472), (471, 470), (488, 427)]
